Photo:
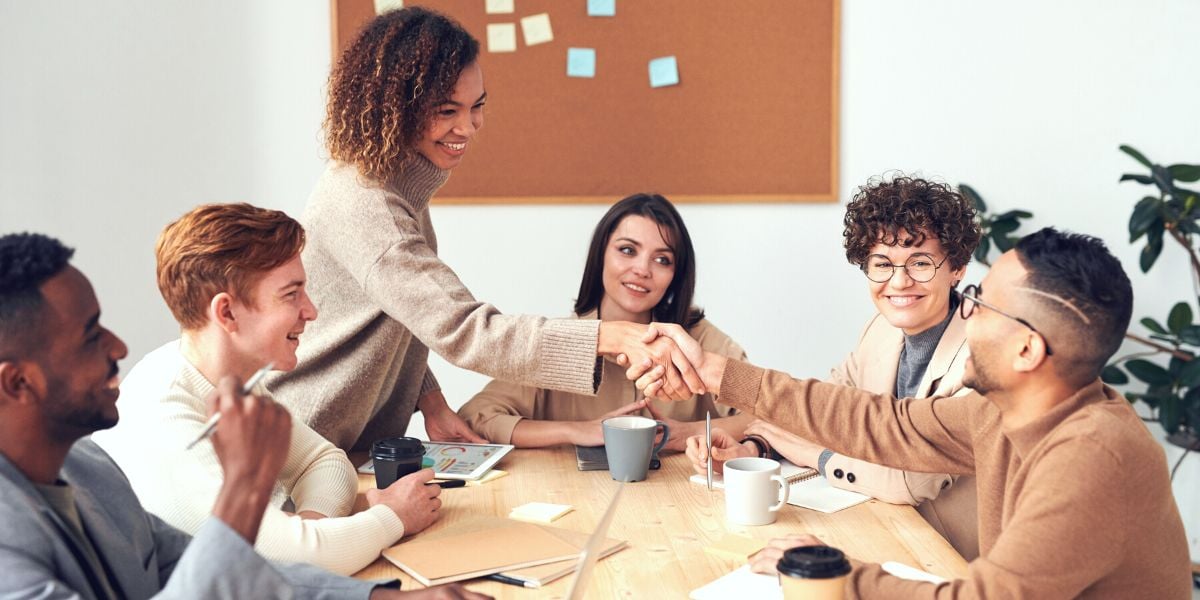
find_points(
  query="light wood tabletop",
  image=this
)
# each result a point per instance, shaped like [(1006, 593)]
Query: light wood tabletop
[(668, 521)]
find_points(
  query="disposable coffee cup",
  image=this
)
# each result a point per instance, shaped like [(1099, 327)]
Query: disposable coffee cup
[(394, 458), (813, 573)]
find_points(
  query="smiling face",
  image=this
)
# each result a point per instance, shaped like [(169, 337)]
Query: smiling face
[(639, 266), (455, 121), (269, 329), (79, 365), (908, 304)]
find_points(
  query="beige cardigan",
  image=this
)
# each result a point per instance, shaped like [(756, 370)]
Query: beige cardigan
[(385, 299), (1076, 503), (945, 501), (495, 411)]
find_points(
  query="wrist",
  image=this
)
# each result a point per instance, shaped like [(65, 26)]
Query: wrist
[(433, 403), (712, 372)]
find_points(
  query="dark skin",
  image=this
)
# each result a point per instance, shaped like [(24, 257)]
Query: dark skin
[(64, 387)]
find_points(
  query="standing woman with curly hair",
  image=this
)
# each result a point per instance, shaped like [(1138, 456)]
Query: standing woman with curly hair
[(912, 239), (405, 102)]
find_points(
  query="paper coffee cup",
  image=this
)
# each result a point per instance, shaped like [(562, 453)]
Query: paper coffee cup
[(813, 573)]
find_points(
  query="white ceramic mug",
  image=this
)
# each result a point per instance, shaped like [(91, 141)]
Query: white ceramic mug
[(754, 490)]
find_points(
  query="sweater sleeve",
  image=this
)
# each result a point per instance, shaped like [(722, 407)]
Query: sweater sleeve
[(319, 475), (429, 383), (343, 545), (495, 411), (413, 286), (931, 435), (1064, 534)]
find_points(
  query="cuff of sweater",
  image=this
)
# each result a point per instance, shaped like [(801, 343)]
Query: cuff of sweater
[(739, 385), (499, 429), (429, 383), (568, 355), (388, 520)]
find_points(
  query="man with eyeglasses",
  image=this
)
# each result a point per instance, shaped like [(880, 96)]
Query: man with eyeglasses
[(1074, 498)]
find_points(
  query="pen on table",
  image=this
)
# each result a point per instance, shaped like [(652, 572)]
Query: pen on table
[(509, 580), (449, 483), (708, 442), (213, 420)]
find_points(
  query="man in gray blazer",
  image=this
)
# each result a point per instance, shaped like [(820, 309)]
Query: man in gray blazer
[(70, 524)]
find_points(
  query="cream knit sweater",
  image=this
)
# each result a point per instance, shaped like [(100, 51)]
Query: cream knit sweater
[(162, 409), (385, 299)]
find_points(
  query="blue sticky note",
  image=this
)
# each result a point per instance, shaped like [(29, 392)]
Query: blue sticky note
[(602, 8), (664, 72), (581, 62)]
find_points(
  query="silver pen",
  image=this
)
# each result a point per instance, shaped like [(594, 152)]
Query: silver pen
[(708, 442), (216, 418)]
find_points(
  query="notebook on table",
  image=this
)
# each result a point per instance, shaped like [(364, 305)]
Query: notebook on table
[(593, 458), (808, 489)]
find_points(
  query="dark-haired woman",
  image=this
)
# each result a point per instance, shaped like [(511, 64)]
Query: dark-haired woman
[(405, 101), (641, 268)]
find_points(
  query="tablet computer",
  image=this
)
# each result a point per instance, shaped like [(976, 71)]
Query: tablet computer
[(456, 460)]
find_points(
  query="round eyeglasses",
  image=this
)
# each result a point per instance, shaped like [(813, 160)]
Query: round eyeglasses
[(920, 267)]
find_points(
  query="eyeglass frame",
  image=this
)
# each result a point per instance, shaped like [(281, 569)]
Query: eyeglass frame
[(971, 293), (904, 266)]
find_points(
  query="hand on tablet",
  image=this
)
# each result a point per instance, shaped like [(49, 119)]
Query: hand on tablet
[(443, 424)]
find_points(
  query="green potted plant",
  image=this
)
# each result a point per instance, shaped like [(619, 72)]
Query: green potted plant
[(1167, 374)]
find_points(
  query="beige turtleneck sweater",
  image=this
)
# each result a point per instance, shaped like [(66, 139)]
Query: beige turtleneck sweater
[(385, 299)]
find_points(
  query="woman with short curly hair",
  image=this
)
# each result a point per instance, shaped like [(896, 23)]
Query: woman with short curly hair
[(405, 102), (912, 238)]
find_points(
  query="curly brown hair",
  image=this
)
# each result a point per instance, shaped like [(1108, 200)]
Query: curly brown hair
[(886, 205), (387, 85)]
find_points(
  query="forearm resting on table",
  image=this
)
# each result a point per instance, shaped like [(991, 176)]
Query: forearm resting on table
[(532, 433)]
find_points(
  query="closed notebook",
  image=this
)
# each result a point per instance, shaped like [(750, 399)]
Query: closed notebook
[(479, 547), (808, 489), (543, 574)]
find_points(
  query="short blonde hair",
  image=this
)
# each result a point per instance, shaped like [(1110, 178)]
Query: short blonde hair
[(218, 248)]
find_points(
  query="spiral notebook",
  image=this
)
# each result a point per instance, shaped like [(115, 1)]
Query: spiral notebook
[(808, 489)]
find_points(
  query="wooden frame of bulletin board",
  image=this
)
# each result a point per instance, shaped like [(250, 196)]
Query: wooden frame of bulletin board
[(754, 117)]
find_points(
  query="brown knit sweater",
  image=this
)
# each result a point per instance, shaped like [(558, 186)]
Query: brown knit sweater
[(384, 299), (1075, 504)]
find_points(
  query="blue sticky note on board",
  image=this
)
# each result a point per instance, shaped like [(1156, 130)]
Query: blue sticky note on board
[(602, 8), (663, 72), (581, 62)]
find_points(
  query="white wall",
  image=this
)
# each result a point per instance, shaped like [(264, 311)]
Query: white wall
[(117, 116)]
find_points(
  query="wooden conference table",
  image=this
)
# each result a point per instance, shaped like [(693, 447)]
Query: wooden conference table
[(667, 521)]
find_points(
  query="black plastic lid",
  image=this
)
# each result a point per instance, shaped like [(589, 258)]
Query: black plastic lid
[(397, 448), (813, 562)]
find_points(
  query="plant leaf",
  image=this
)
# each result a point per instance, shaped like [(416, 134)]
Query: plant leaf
[(1163, 179), (1190, 335), (1153, 325), (1113, 375), (1189, 375), (1169, 414), (1004, 226), (1145, 212), (973, 196), (1003, 242), (1148, 372), (1188, 173), (1146, 179), (981, 251), (1136, 155), (1150, 252), (1180, 317)]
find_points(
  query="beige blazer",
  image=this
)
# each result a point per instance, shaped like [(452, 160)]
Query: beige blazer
[(947, 502), (495, 411)]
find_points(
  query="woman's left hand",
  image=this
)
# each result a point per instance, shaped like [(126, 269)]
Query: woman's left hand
[(764, 561), (443, 424), (680, 431)]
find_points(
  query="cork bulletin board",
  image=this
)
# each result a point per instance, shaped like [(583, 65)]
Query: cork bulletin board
[(754, 117)]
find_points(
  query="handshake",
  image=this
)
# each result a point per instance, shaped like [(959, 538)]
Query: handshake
[(662, 359)]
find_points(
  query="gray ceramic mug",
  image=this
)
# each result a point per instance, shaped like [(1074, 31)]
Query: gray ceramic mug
[(629, 445)]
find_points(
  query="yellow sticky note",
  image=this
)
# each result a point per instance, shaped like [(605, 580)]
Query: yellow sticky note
[(537, 29), (498, 7), (540, 512), (492, 475), (502, 37), (382, 6), (735, 547)]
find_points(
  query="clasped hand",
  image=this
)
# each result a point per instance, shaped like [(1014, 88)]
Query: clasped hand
[(662, 359)]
